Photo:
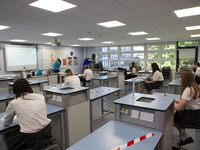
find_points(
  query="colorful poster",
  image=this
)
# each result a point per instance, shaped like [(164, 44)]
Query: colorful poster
[(75, 60), (64, 61), (70, 61)]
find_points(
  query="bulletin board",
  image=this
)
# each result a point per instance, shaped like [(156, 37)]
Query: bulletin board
[(57, 53)]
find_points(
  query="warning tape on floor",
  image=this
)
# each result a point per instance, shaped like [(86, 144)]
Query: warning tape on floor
[(123, 146), (100, 91)]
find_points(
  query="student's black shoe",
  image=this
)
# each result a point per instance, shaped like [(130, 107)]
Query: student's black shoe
[(187, 141)]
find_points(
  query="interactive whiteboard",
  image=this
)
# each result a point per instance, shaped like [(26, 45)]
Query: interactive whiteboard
[(57, 53), (19, 56)]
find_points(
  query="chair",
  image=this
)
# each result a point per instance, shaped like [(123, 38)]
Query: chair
[(181, 133), (53, 145)]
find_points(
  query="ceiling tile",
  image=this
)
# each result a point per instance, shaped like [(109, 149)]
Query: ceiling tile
[(8, 6), (137, 3), (124, 14)]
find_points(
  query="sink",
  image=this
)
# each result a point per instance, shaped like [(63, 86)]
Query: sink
[(145, 99), (67, 88)]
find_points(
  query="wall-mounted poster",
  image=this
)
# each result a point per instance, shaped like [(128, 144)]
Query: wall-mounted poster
[(64, 61), (75, 60), (70, 61)]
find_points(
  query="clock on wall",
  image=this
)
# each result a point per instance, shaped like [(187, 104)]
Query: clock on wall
[(71, 53)]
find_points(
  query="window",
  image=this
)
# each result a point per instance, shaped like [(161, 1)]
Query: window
[(153, 55), (138, 48), (125, 64), (186, 62), (153, 47), (138, 56), (103, 56), (113, 49), (171, 64), (187, 43), (125, 49), (113, 56), (140, 63), (125, 56), (168, 55), (103, 49), (168, 47), (104, 63), (114, 64)]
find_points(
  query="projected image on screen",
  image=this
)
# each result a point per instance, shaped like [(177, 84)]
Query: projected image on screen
[(19, 56)]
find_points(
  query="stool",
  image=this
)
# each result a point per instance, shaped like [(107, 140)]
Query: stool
[(88, 83), (180, 134), (53, 145)]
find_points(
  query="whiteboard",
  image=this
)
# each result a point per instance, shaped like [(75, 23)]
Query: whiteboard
[(57, 53), (19, 56)]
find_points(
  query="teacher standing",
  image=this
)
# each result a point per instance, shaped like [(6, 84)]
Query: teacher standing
[(57, 64)]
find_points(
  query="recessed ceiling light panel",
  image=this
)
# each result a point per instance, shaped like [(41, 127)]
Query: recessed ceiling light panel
[(193, 28), (138, 33), (3, 27), (75, 45), (17, 40), (188, 12), (85, 39), (111, 24), (52, 34), (108, 42), (53, 5), (195, 35), (151, 39)]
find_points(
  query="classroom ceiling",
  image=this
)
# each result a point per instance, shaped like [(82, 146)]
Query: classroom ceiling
[(156, 17)]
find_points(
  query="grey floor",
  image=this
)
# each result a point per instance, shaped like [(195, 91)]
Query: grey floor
[(108, 103)]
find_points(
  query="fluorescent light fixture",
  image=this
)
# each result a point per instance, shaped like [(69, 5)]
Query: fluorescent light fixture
[(151, 39), (48, 43), (17, 40), (188, 12), (111, 24), (193, 28), (75, 45), (195, 35), (52, 5), (108, 42), (85, 39), (137, 33), (3, 27), (52, 34)]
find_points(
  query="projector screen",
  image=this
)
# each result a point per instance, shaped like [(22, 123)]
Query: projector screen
[(19, 56)]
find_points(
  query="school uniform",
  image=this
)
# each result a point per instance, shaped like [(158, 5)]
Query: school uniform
[(72, 80), (190, 116), (34, 132), (88, 74), (197, 78), (129, 76), (57, 66), (158, 78)]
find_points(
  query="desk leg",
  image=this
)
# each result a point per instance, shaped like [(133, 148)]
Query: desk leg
[(118, 82), (124, 88), (62, 130), (118, 94), (101, 106), (92, 84), (108, 83), (91, 117)]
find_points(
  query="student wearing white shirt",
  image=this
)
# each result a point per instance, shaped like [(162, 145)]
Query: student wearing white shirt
[(197, 73), (30, 109), (190, 100), (156, 79), (71, 78), (134, 70), (88, 74)]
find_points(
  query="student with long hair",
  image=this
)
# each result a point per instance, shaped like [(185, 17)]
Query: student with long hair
[(156, 79), (190, 100), (57, 64), (71, 78), (134, 70), (30, 108)]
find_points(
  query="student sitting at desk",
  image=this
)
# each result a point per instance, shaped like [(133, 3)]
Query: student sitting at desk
[(88, 74), (190, 99), (134, 70), (30, 109), (197, 73), (156, 79), (71, 78)]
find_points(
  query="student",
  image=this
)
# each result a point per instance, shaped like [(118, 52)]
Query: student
[(30, 109), (197, 73), (134, 70), (57, 64), (71, 78), (88, 74), (156, 79), (190, 99)]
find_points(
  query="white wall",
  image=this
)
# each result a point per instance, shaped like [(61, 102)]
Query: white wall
[(88, 51), (199, 51)]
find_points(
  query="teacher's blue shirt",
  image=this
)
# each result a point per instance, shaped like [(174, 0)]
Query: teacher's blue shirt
[(57, 65)]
